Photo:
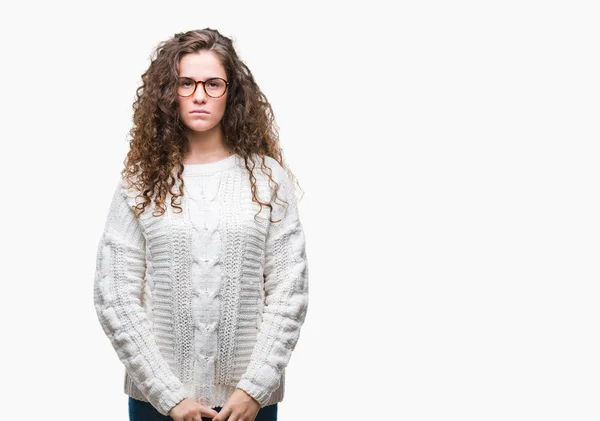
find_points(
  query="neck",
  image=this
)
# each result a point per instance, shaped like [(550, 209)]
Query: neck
[(206, 146)]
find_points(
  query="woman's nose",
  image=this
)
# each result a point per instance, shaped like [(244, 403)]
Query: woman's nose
[(200, 94)]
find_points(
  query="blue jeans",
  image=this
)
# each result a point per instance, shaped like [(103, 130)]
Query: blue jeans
[(144, 411)]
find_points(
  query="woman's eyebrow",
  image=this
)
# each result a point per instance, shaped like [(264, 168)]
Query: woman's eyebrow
[(210, 77)]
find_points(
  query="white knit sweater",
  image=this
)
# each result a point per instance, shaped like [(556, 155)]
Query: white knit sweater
[(198, 303)]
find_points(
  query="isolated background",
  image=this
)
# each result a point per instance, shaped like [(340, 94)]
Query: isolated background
[(448, 153)]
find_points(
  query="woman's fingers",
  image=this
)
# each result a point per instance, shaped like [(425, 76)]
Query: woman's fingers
[(222, 416), (190, 410), (208, 412)]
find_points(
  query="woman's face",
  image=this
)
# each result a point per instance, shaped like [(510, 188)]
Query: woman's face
[(201, 65)]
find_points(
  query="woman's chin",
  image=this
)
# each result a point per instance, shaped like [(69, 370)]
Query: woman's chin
[(194, 127)]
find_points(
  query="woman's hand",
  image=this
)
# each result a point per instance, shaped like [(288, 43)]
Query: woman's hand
[(190, 410), (239, 407)]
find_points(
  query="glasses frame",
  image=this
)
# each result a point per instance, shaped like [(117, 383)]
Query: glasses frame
[(203, 82)]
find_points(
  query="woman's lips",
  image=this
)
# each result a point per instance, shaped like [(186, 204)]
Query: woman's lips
[(199, 112)]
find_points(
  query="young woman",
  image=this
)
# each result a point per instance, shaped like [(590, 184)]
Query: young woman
[(201, 280)]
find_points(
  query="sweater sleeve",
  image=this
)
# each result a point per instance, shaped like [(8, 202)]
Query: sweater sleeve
[(286, 296), (118, 286)]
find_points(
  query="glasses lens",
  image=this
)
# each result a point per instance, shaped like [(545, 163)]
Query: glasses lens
[(185, 86), (215, 87)]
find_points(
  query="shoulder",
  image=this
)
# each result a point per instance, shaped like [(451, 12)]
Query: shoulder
[(278, 173), (271, 176), (125, 191)]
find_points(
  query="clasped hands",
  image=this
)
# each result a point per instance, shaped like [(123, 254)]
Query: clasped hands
[(239, 407)]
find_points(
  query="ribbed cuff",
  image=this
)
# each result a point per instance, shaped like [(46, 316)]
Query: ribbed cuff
[(170, 400), (258, 393)]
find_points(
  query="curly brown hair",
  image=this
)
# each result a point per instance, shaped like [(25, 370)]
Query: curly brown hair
[(158, 143)]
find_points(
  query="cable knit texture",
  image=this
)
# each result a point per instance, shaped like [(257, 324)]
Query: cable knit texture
[(199, 303)]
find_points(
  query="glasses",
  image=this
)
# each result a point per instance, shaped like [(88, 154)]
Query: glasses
[(214, 87)]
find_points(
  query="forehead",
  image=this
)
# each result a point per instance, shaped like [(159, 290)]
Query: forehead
[(201, 65)]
